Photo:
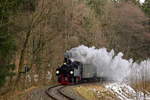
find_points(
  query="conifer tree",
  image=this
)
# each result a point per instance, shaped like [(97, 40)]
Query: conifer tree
[(7, 42), (146, 7)]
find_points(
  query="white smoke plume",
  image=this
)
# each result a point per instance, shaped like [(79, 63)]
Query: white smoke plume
[(109, 64)]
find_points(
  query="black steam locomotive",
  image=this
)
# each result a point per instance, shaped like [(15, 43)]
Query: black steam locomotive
[(73, 72), (70, 72)]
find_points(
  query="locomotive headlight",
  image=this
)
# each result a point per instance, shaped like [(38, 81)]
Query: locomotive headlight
[(71, 72), (57, 72)]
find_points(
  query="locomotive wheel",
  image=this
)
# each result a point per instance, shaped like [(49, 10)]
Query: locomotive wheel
[(72, 80), (77, 81)]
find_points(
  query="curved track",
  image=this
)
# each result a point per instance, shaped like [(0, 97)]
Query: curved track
[(56, 93)]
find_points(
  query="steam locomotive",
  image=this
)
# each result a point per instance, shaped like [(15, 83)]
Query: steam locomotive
[(74, 72)]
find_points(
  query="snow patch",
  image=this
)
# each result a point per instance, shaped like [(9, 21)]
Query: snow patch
[(125, 92)]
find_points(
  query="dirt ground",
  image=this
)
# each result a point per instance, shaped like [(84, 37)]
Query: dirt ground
[(33, 93), (38, 93)]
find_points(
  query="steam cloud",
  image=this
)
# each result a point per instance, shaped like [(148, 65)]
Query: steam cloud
[(109, 65)]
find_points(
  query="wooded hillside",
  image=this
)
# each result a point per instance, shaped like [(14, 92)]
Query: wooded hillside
[(36, 33)]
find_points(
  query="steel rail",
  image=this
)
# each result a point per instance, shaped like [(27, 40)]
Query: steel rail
[(59, 90)]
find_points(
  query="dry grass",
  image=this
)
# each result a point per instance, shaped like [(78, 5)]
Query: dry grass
[(95, 92), (142, 86), (83, 91)]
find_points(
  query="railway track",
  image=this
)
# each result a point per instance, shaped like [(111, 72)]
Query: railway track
[(56, 93)]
